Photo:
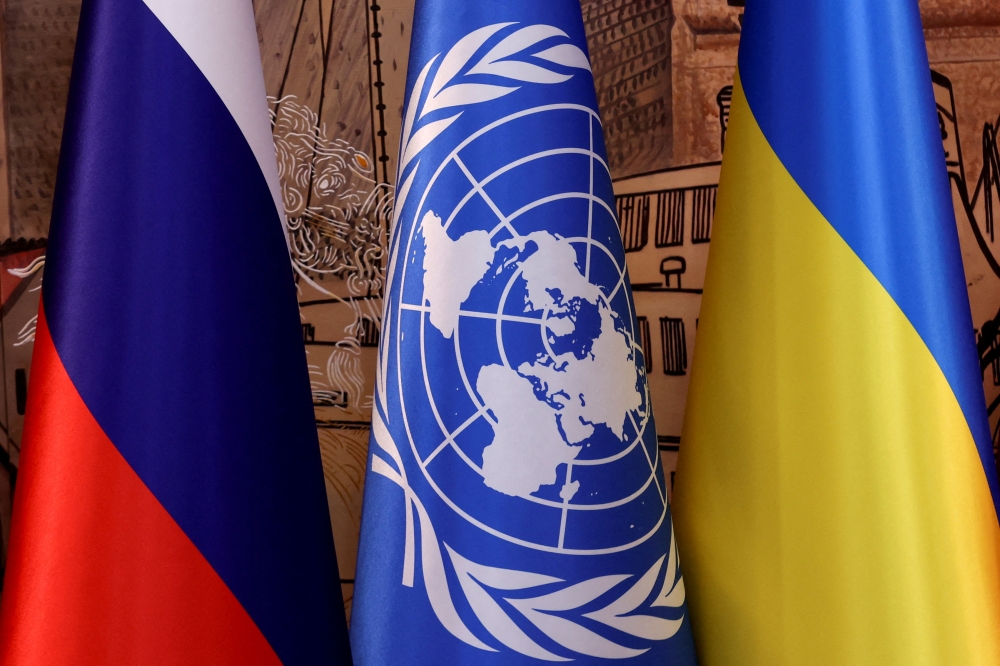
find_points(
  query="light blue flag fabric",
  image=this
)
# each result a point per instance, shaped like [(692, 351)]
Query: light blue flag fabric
[(515, 507)]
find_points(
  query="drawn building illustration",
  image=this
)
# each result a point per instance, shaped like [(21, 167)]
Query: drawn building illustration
[(666, 218), (666, 224)]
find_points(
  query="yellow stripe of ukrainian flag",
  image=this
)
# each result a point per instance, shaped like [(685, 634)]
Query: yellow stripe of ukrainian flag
[(830, 504)]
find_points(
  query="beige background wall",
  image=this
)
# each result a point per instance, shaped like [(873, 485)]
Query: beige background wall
[(336, 72)]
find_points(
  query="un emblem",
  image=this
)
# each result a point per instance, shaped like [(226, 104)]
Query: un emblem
[(518, 373)]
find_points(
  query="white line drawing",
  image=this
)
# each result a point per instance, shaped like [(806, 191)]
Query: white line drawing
[(337, 215), (336, 210), (26, 334)]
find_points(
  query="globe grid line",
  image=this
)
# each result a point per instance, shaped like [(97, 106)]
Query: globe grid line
[(475, 314), (480, 404), (641, 429), (653, 464), (499, 324), (487, 128), (550, 199), (434, 409), (590, 204), (504, 317), (565, 506), (481, 408), (521, 162), (450, 440), (477, 188)]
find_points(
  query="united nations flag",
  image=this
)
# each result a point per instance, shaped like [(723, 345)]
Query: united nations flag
[(515, 508)]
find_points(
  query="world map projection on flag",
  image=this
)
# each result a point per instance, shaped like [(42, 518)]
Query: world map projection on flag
[(529, 360), (570, 386)]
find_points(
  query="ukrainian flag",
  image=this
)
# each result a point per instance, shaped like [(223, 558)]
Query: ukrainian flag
[(836, 492)]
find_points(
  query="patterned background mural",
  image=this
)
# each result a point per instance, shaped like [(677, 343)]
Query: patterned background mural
[(335, 73)]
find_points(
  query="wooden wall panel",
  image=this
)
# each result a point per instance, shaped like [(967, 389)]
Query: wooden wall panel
[(38, 36)]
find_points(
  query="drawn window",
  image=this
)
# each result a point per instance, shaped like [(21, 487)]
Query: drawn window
[(991, 349), (675, 360), (633, 218), (988, 346), (670, 218), (990, 178), (368, 333), (703, 210), (994, 364), (644, 341)]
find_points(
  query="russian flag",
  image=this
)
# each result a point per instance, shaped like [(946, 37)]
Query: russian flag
[(171, 506)]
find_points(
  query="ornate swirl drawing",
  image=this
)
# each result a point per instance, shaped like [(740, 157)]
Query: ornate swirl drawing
[(336, 211)]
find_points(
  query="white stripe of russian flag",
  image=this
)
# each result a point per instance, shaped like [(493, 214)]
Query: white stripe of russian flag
[(220, 36)]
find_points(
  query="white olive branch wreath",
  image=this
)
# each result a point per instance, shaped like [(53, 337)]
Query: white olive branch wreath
[(476, 579)]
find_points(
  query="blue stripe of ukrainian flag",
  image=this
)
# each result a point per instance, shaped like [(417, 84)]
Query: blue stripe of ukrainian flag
[(835, 495)]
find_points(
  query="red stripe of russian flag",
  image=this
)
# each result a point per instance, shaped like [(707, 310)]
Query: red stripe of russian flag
[(110, 574)]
